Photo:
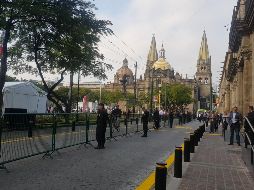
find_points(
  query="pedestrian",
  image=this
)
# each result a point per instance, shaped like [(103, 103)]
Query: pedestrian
[(234, 123), (180, 118), (250, 115), (156, 118), (161, 113), (212, 122), (216, 122), (145, 119), (102, 120), (170, 118), (224, 124)]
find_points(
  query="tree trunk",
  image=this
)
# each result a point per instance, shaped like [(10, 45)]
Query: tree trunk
[(3, 68), (51, 95)]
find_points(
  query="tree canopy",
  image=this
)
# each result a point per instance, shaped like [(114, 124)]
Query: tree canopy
[(176, 96), (107, 97), (52, 36)]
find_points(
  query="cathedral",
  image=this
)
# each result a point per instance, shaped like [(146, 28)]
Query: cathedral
[(159, 71)]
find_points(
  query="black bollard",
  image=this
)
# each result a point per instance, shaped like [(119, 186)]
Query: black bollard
[(195, 138), (186, 150), (199, 134), (161, 176), (192, 146), (178, 163), (73, 126)]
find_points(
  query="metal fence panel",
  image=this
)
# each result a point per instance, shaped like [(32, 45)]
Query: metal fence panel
[(23, 135)]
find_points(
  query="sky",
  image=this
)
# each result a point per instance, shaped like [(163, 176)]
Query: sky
[(178, 24)]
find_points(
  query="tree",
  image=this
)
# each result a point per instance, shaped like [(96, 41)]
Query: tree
[(143, 98), (58, 36), (178, 96)]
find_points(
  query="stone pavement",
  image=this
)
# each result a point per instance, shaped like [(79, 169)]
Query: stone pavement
[(217, 166), (123, 165)]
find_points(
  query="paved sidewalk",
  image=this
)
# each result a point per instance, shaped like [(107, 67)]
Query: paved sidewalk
[(123, 165), (216, 165)]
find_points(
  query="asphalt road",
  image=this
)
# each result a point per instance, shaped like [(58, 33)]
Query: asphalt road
[(122, 165)]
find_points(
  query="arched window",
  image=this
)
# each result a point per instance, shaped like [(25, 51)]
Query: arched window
[(206, 80), (200, 79)]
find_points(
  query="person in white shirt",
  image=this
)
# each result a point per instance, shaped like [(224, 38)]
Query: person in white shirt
[(234, 123)]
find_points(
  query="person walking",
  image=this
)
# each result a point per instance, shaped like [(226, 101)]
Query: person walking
[(170, 118), (156, 118), (212, 122), (102, 119), (250, 115), (224, 124), (145, 119), (180, 118), (234, 123)]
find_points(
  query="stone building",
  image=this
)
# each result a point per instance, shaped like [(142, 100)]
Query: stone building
[(159, 71), (237, 80), (204, 75)]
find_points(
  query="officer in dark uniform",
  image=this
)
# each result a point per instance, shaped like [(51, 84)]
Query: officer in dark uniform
[(145, 118), (102, 119), (170, 118), (156, 118)]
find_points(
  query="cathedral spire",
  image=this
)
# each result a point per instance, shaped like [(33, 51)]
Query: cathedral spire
[(162, 52), (204, 52), (153, 55)]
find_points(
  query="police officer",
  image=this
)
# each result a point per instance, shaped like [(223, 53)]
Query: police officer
[(102, 119), (170, 118), (156, 118), (145, 118)]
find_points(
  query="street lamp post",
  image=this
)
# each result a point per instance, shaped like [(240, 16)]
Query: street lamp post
[(78, 91), (135, 87), (151, 95), (159, 101)]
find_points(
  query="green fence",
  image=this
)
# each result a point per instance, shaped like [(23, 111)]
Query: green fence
[(26, 135)]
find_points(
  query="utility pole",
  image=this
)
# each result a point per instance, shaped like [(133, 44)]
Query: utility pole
[(151, 95), (211, 94), (135, 86), (78, 90), (68, 109)]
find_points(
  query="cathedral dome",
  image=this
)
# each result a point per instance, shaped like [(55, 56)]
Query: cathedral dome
[(124, 73), (124, 70), (161, 63)]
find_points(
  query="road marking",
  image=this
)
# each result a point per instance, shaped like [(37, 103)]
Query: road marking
[(149, 182), (214, 134), (183, 127)]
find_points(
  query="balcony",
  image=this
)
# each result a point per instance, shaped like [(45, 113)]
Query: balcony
[(249, 14), (238, 26)]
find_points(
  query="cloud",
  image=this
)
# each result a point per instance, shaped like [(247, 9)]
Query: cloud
[(179, 24)]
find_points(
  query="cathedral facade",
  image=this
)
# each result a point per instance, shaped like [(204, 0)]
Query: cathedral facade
[(159, 71)]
